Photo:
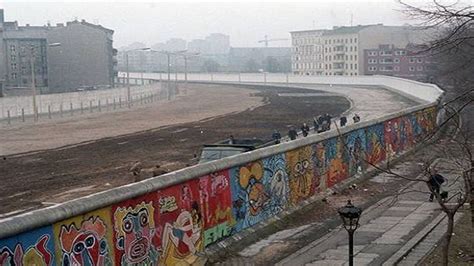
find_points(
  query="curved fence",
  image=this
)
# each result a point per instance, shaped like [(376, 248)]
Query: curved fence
[(170, 219)]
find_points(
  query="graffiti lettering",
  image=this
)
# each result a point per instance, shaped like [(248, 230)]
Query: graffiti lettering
[(215, 233), (168, 204)]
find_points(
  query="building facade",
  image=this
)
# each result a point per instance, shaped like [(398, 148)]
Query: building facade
[(82, 55), (340, 51), (409, 62)]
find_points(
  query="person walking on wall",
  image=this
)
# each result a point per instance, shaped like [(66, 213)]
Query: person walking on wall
[(356, 118), (276, 136), (343, 121), (292, 133), (328, 120), (305, 129), (435, 182)]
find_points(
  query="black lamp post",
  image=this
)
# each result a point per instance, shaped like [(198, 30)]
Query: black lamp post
[(350, 219)]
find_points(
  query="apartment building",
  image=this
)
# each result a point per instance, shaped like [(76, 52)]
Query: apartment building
[(411, 62), (340, 51), (82, 55)]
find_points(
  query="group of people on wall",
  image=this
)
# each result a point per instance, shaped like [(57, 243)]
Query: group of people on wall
[(321, 123)]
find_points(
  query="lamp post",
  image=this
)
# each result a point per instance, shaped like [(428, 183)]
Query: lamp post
[(33, 83), (129, 99), (350, 219)]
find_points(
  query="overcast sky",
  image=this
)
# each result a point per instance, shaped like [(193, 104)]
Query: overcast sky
[(245, 22)]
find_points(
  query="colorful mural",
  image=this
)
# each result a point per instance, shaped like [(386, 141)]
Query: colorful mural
[(31, 248), (172, 226), (336, 160), (85, 239), (216, 203), (260, 190), (375, 144), (300, 170), (392, 137), (356, 146), (134, 226), (320, 165)]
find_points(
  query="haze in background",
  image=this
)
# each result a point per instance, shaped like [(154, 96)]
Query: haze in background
[(246, 23)]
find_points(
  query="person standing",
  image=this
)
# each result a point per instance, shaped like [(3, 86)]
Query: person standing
[(435, 182), (328, 119), (305, 129), (356, 118), (276, 136), (343, 121), (292, 133)]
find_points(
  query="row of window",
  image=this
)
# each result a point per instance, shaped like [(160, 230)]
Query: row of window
[(386, 53), (326, 66), (346, 40), (326, 73), (341, 49), (394, 68), (394, 60)]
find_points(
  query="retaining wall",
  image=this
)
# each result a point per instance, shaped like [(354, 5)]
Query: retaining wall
[(170, 219), (87, 99)]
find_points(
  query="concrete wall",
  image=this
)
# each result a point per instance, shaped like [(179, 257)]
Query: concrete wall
[(172, 218), (15, 104)]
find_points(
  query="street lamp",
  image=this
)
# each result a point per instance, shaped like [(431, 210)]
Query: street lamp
[(129, 99), (350, 219), (33, 84)]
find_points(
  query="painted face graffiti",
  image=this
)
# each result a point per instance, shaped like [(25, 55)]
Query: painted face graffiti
[(249, 179), (36, 255), (85, 245), (135, 229), (300, 174)]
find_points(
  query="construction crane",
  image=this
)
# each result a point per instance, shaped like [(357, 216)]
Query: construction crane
[(266, 40)]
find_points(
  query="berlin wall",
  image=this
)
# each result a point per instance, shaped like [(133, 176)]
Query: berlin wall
[(171, 219)]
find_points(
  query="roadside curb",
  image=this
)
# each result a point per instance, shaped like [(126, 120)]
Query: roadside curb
[(403, 251)]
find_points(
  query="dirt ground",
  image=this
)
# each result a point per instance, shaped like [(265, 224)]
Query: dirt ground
[(48, 177)]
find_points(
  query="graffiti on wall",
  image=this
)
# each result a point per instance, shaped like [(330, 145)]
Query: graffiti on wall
[(392, 137), (260, 190), (134, 226), (375, 144), (180, 223), (32, 248), (85, 239), (356, 146), (301, 178), (320, 165), (174, 225), (336, 161), (216, 203)]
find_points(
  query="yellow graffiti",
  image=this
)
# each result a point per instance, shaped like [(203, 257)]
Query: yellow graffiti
[(300, 173)]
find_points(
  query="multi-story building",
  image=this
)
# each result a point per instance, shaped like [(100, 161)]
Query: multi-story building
[(340, 51), (85, 56), (218, 43), (82, 55), (24, 48), (307, 52), (410, 62)]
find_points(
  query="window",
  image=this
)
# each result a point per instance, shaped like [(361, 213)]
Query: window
[(419, 60), (419, 68), (396, 68), (411, 68), (13, 75), (412, 60), (13, 66), (13, 58), (396, 60), (355, 66), (372, 68), (373, 61), (372, 53), (12, 48)]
